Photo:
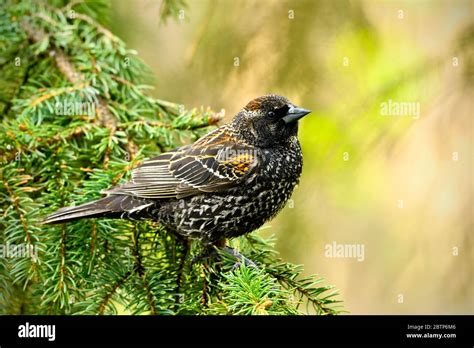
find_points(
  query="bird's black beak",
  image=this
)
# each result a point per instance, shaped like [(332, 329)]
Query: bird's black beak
[(294, 114)]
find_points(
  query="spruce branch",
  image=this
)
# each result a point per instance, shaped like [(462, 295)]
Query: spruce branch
[(140, 270), (68, 70), (108, 295), (51, 159), (15, 201)]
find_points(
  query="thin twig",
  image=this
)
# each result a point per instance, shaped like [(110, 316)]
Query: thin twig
[(182, 262), (108, 149), (62, 269), (14, 199), (140, 269), (115, 287)]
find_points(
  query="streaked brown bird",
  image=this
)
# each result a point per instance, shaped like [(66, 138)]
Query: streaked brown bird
[(228, 183)]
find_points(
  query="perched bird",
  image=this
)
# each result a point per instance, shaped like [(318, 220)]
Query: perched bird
[(226, 184)]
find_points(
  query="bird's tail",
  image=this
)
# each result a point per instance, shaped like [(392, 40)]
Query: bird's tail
[(112, 207)]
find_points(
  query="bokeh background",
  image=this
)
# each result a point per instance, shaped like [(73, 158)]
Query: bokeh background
[(401, 186)]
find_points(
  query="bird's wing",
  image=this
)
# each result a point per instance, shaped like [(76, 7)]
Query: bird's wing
[(213, 163)]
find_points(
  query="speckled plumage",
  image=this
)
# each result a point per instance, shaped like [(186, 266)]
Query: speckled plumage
[(226, 184)]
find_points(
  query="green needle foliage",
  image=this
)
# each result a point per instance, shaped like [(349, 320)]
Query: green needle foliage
[(56, 56)]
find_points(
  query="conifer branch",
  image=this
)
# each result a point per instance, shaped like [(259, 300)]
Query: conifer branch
[(140, 270), (51, 159), (42, 143), (68, 70), (15, 200), (62, 269), (105, 301)]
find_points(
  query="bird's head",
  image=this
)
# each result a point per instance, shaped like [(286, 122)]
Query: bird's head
[(268, 120)]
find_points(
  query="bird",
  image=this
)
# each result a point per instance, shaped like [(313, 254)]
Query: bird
[(226, 184)]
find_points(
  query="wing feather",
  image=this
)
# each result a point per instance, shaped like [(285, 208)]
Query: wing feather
[(213, 163)]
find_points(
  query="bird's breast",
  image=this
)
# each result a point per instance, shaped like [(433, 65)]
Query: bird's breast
[(241, 208)]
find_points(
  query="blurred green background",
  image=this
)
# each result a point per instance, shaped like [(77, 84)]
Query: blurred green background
[(401, 186)]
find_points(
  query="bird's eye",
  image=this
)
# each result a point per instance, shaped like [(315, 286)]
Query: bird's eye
[(280, 112)]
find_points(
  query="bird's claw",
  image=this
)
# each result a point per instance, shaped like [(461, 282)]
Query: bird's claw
[(233, 252), (241, 258)]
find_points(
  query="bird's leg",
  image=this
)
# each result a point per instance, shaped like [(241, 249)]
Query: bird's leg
[(207, 254)]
